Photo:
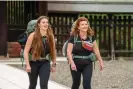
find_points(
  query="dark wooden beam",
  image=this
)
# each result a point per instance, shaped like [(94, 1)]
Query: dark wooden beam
[(43, 8), (3, 29)]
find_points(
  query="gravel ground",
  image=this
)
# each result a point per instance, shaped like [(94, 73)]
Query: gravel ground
[(117, 74)]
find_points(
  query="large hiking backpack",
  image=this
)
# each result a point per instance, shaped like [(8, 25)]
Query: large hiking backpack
[(64, 50), (24, 36)]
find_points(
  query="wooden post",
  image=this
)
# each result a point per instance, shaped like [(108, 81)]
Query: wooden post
[(111, 38), (43, 8), (3, 29)]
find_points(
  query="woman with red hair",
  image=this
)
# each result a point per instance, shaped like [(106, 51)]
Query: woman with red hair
[(78, 53)]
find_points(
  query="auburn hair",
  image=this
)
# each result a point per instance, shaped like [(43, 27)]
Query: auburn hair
[(37, 43), (75, 30)]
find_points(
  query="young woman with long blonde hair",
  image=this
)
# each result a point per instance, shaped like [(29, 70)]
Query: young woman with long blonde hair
[(40, 44)]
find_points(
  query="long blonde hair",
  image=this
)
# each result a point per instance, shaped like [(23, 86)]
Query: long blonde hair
[(37, 44), (75, 30)]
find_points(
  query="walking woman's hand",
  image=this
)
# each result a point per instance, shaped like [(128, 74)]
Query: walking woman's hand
[(28, 68), (53, 69), (73, 67), (101, 65)]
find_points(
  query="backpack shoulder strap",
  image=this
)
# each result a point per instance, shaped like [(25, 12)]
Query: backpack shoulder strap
[(44, 39), (90, 37), (75, 38)]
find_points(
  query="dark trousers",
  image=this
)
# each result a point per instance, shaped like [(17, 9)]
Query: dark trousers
[(86, 71), (41, 69)]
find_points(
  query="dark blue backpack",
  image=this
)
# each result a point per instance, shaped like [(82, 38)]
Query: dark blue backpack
[(24, 36)]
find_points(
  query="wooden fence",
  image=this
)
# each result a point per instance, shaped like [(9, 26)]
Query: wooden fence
[(114, 31)]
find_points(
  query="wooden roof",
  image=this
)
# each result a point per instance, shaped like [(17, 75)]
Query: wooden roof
[(124, 6)]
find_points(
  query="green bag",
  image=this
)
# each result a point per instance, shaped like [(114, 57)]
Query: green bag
[(93, 58)]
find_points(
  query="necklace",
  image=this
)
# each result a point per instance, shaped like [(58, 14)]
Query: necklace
[(83, 37)]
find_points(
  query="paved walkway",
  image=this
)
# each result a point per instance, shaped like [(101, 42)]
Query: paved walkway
[(13, 78)]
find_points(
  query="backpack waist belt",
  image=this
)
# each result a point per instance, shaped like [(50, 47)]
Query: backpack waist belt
[(91, 57), (83, 57)]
